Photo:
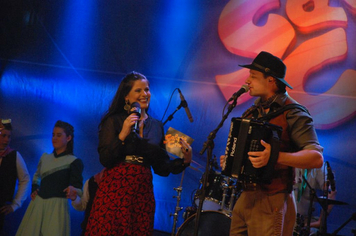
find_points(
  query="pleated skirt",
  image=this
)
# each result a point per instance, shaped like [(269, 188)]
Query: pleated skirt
[(46, 217)]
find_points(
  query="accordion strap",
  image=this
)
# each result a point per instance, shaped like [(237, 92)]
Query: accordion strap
[(275, 148), (271, 115), (269, 168)]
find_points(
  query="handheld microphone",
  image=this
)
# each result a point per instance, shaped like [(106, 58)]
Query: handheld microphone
[(185, 105), (135, 108), (330, 176), (242, 90)]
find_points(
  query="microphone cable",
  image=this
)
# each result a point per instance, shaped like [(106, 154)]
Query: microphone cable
[(169, 102)]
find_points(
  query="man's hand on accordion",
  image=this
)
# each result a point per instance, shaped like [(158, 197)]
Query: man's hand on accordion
[(260, 158)]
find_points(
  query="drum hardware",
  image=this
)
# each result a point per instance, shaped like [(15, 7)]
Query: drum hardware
[(232, 200), (310, 210), (324, 202), (213, 191), (220, 193), (299, 228), (189, 211), (353, 217), (229, 196), (225, 188), (177, 208)]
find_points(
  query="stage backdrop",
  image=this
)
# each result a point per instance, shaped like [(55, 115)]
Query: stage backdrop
[(63, 60)]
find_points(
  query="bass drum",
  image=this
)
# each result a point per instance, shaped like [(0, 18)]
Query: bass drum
[(212, 223)]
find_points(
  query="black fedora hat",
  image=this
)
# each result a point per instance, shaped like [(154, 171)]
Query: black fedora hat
[(269, 64)]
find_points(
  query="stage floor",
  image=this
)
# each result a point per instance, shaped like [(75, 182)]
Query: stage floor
[(160, 233)]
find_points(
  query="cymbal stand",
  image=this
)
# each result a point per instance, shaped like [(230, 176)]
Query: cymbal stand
[(312, 196), (323, 223), (353, 217), (178, 208), (209, 145)]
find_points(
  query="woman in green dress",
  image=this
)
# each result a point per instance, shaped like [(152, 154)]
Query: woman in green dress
[(48, 211)]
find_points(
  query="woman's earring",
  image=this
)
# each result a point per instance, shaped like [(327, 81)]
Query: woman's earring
[(127, 106)]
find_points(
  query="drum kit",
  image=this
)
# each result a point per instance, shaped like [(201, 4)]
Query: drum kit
[(301, 230), (221, 193), (302, 226)]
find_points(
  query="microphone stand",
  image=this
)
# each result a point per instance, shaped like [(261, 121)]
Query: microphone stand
[(170, 117), (209, 145)]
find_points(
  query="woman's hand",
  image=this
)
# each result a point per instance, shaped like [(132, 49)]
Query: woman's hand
[(71, 192), (186, 150), (261, 158), (34, 194), (126, 127)]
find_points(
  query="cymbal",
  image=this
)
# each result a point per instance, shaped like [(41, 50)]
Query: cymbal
[(331, 201), (193, 165)]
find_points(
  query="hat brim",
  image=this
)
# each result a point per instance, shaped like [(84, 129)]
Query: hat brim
[(253, 67)]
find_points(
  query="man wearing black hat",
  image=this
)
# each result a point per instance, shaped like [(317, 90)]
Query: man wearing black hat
[(269, 209)]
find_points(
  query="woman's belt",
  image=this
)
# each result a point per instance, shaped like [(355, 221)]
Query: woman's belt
[(133, 159)]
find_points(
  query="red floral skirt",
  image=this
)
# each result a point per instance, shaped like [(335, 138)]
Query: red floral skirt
[(124, 203)]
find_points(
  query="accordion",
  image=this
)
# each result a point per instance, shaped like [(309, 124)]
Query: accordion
[(245, 135)]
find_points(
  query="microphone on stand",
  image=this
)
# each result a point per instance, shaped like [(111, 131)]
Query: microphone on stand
[(330, 176), (242, 90), (135, 108), (185, 105)]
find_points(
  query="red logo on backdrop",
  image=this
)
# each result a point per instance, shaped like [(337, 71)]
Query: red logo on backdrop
[(241, 36)]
